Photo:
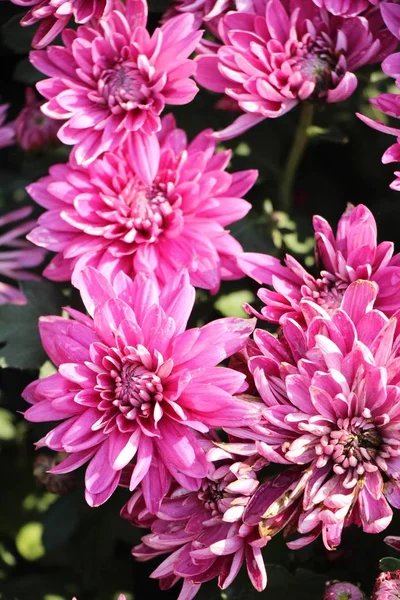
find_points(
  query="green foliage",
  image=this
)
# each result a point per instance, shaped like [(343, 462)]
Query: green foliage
[(43, 298)]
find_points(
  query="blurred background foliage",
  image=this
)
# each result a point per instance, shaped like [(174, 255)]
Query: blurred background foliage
[(52, 545)]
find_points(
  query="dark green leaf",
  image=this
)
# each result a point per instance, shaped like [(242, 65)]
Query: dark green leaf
[(19, 333), (17, 38), (389, 564)]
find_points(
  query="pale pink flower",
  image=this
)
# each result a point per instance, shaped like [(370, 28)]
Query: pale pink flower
[(387, 586), (7, 131), (332, 396), (353, 253), (103, 215), (112, 82), (34, 131), (203, 530), (343, 590), (277, 53), (206, 12), (17, 255), (132, 383), (389, 103), (54, 15)]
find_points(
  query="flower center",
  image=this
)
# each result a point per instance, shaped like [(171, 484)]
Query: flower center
[(317, 65), (328, 291), (122, 86), (212, 494), (137, 390), (353, 445), (145, 210)]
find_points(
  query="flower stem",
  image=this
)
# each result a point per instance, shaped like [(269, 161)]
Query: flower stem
[(295, 156)]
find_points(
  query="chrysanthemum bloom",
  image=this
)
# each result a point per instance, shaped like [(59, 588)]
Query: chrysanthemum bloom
[(349, 8), (17, 255), (206, 12), (387, 586), (332, 410), (389, 103), (350, 255), (113, 82), (131, 382), (203, 531), (342, 590), (7, 131), (54, 15), (34, 131), (285, 52), (105, 216)]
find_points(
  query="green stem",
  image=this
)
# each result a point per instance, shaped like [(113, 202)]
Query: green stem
[(295, 156)]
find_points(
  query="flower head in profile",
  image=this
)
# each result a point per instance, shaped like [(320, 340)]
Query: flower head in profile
[(353, 253), (389, 103), (17, 255), (387, 586), (54, 15), (112, 81), (277, 53), (133, 384), (332, 399), (34, 131), (105, 216), (7, 131), (203, 531)]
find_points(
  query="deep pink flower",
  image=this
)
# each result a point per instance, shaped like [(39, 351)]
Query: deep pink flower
[(350, 255), (332, 399), (389, 103), (34, 131), (349, 8), (286, 51), (105, 216), (343, 590), (17, 255), (387, 586), (112, 82), (56, 14), (131, 382), (7, 132), (203, 530)]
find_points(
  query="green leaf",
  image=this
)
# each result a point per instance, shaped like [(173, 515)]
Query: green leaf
[(230, 305), (26, 73), (29, 541), (7, 427), (60, 521), (17, 38), (19, 334), (389, 564)]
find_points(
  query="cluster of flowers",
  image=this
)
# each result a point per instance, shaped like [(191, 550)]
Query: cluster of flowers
[(137, 220)]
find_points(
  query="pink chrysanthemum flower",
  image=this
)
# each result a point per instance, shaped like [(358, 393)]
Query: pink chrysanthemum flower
[(34, 131), (131, 382), (16, 255), (281, 52), (389, 103), (106, 217), (387, 586), (7, 131), (350, 255), (203, 530), (111, 83), (54, 15), (332, 411), (343, 590), (349, 8)]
